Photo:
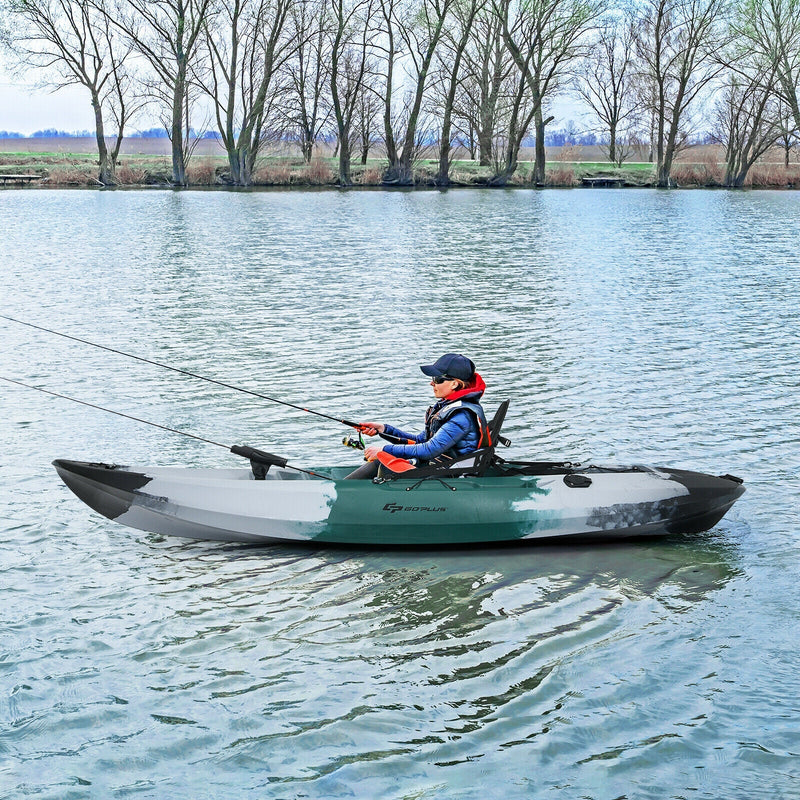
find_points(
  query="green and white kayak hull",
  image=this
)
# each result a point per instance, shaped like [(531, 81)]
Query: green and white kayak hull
[(538, 502)]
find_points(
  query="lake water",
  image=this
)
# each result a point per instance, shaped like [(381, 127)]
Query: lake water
[(625, 326)]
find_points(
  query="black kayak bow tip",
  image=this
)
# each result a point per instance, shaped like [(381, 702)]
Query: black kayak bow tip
[(107, 488)]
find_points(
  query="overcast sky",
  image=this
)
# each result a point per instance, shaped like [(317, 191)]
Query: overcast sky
[(25, 109)]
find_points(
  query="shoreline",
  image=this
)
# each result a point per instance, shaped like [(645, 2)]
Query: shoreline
[(149, 167), (43, 185)]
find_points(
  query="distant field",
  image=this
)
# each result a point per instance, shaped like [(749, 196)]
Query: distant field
[(593, 155), (77, 145), (211, 147)]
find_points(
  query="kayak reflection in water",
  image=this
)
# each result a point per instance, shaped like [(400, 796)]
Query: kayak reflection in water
[(455, 425)]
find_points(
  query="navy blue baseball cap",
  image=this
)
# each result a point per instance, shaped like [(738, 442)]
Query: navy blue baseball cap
[(454, 365)]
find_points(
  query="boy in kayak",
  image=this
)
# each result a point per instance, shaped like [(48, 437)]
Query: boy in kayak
[(455, 425)]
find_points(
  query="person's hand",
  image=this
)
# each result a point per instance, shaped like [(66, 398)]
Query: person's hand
[(371, 428), (371, 452)]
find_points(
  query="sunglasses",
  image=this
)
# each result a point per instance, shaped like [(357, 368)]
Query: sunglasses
[(442, 378)]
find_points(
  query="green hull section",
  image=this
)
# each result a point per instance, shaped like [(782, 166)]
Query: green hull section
[(463, 511)]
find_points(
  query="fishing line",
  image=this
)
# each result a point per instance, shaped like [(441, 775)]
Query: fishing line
[(243, 450), (180, 371)]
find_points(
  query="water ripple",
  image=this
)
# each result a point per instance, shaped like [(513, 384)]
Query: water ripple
[(625, 326)]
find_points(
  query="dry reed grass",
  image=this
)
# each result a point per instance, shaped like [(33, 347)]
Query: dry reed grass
[(773, 176), (707, 172), (201, 172), (273, 175), (71, 176), (711, 173), (128, 175), (370, 176), (318, 173), (463, 177), (561, 176)]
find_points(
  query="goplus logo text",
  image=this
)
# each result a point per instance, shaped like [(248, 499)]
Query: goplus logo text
[(393, 507)]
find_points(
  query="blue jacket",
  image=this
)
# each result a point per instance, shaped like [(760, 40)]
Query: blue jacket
[(452, 431)]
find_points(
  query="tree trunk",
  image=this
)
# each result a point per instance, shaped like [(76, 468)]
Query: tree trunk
[(106, 175), (307, 146), (176, 129), (443, 173), (736, 170), (443, 176), (735, 180), (663, 179), (345, 178), (234, 164), (516, 132), (405, 173), (541, 154), (388, 134), (667, 145), (244, 153), (612, 144), (401, 168), (485, 146), (510, 162), (342, 104)]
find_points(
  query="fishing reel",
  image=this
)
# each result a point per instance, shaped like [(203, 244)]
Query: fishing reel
[(356, 444)]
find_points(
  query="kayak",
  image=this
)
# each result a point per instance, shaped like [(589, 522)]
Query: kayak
[(510, 501), (472, 498)]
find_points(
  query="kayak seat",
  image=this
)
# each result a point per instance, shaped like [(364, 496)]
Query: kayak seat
[(479, 461)]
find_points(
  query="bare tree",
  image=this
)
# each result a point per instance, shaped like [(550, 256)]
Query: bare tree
[(506, 144), (789, 136), (367, 115), (248, 46), (350, 51), (487, 65), (771, 28), (309, 70), (124, 102), (545, 38), (676, 43), (605, 82), (167, 34), (452, 55), (73, 43), (412, 28), (748, 123)]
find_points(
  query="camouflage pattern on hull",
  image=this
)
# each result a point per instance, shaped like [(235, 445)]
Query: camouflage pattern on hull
[(229, 505)]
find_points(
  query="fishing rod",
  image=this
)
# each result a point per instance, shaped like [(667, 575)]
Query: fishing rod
[(258, 456), (355, 425)]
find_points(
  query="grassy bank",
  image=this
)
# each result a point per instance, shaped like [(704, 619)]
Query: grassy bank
[(79, 169)]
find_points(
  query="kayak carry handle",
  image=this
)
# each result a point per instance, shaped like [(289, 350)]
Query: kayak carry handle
[(259, 456)]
